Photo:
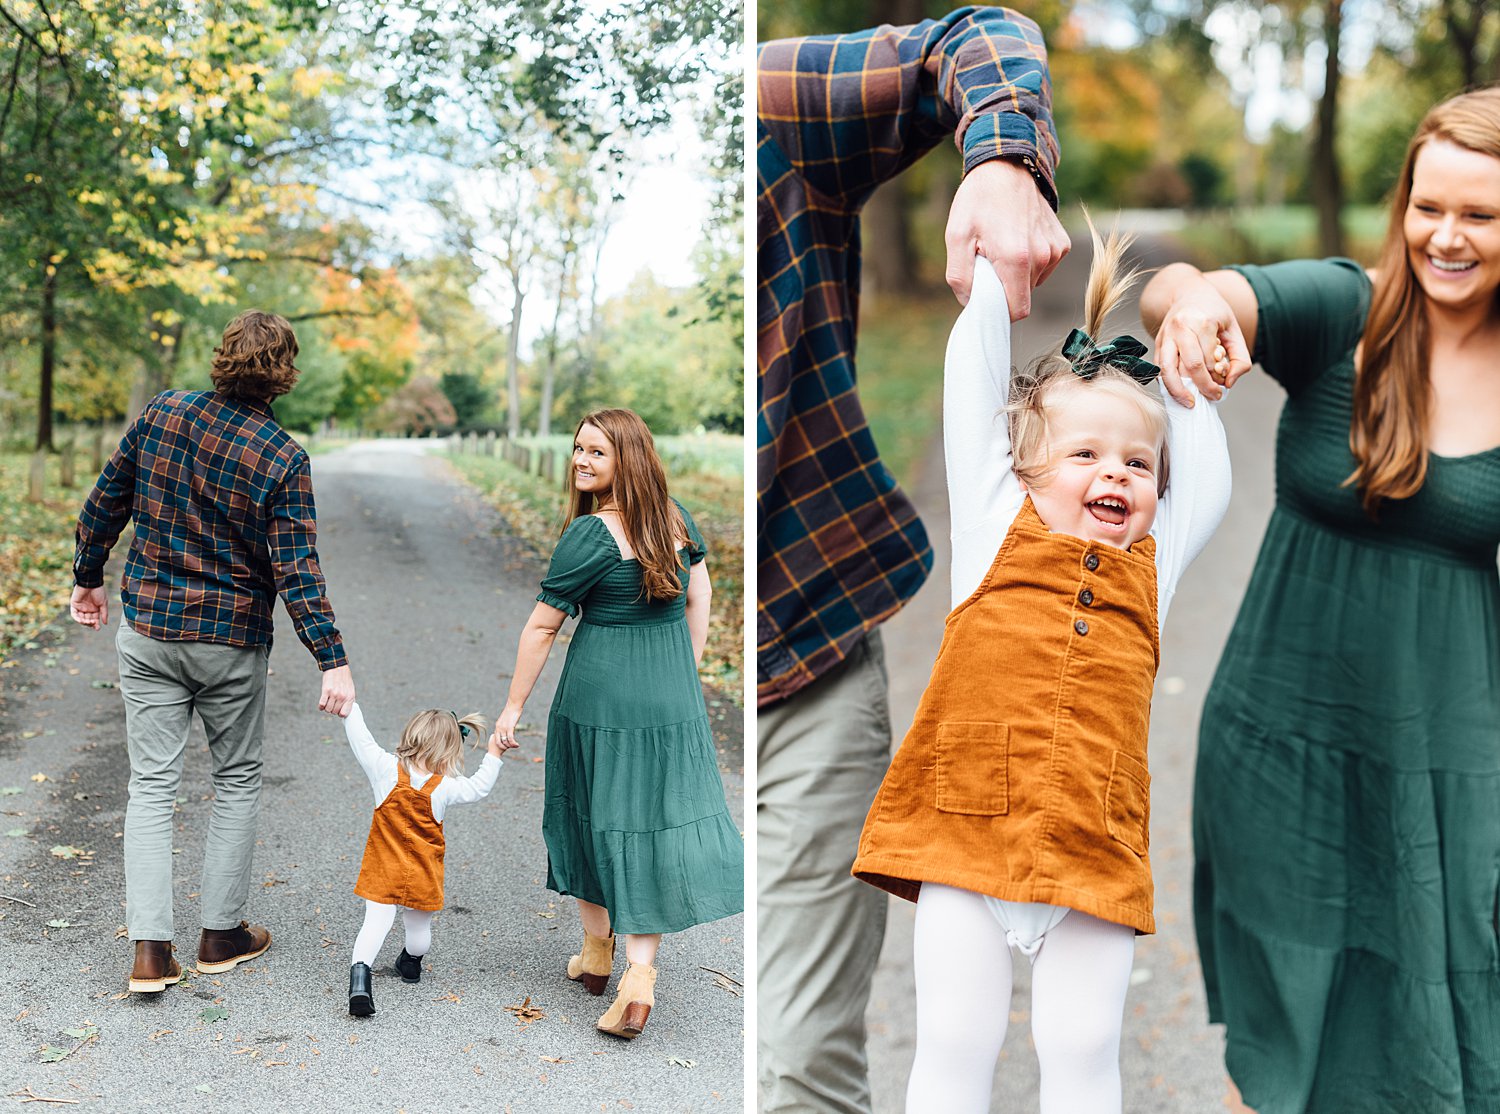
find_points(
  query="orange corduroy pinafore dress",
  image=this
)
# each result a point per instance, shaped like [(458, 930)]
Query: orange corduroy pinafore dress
[(1024, 773), (403, 862)]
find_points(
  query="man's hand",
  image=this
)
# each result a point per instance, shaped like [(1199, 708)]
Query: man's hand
[(338, 691), (999, 213), (90, 607)]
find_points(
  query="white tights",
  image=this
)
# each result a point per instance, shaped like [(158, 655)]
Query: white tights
[(963, 970), (378, 921)]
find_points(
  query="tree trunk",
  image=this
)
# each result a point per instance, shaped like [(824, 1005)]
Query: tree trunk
[(49, 359), (890, 263), (1464, 36), (549, 368), (1327, 183), (513, 360)]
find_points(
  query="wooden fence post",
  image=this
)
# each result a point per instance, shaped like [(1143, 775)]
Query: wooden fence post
[(65, 464)]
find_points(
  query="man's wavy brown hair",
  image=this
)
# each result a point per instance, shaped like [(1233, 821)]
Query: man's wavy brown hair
[(254, 360)]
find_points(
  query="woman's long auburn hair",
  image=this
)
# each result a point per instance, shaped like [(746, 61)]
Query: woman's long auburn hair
[(1392, 388), (652, 525)]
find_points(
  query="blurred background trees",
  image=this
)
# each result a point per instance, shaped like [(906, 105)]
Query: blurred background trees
[(426, 192), (1268, 126)]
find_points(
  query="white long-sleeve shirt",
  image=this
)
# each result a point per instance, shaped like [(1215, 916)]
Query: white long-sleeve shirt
[(380, 767), (984, 492)]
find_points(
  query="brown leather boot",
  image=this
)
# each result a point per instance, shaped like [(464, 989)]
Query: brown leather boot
[(596, 964), (626, 1017), (155, 968), (222, 949)]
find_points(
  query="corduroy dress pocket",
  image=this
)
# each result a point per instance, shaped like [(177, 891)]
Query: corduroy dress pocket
[(971, 768), (1127, 804)]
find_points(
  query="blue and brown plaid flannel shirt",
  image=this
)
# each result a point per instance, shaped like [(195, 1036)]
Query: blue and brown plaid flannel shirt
[(224, 520), (840, 546)]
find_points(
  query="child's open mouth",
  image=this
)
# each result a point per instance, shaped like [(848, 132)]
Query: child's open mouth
[(1109, 510)]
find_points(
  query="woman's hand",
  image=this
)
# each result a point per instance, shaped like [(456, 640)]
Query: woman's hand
[(1200, 325), (504, 735), (498, 746)]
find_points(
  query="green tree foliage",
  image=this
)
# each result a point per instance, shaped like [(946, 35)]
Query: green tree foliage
[(468, 396)]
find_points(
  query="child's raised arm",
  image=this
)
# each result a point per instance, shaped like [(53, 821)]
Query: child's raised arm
[(462, 790), (1197, 492), (984, 493), (379, 765)]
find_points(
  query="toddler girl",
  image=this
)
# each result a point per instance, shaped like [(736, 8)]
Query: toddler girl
[(1016, 810), (403, 861)]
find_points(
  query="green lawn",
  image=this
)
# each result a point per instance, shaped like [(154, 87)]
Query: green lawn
[(1268, 235), (705, 473), (900, 361)]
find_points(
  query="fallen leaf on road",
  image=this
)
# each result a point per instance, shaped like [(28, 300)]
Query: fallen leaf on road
[(158, 1033), (525, 1013), (213, 1013), (68, 851), (13, 832), (10, 790), (679, 1062), (38, 777), (556, 1060)]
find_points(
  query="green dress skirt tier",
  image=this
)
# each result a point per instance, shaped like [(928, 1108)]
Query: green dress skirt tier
[(634, 815), (1347, 806)]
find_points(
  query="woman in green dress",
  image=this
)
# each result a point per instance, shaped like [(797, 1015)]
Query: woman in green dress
[(1347, 804), (634, 816)]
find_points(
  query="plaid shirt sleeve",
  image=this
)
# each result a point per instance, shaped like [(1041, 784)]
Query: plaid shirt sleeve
[(106, 511), (853, 111), (292, 537)]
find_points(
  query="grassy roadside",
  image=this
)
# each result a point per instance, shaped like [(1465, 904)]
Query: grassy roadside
[(36, 549), (707, 478)]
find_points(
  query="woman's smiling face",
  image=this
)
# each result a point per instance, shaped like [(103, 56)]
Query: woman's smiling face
[(1452, 225), (593, 461)]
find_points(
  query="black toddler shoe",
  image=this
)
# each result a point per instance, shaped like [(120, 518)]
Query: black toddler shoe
[(409, 967), (361, 997)]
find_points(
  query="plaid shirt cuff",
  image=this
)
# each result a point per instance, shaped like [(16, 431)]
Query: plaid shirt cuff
[(1009, 135), (330, 655)]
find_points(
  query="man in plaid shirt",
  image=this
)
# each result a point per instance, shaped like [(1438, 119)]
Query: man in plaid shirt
[(224, 521), (840, 547)]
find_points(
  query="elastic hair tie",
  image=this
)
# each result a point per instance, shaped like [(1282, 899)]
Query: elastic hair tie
[(463, 728)]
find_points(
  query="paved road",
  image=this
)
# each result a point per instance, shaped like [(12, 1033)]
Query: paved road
[(1172, 1059), (431, 592)]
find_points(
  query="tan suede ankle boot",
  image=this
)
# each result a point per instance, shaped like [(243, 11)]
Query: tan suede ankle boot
[(595, 965), (632, 1005)]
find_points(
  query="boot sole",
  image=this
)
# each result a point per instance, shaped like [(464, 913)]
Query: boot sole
[(594, 984), (153, 986), (361, 1005), (631, 1022), (230, 964)]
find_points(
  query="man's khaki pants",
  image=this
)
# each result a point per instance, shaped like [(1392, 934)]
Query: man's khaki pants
[(163, 684), (822, 754)]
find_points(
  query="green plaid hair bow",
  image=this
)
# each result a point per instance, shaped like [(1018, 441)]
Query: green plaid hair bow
[(1124, 352)]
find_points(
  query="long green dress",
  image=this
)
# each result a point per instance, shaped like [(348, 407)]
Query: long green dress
[(1347, 806), (634, 815)]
